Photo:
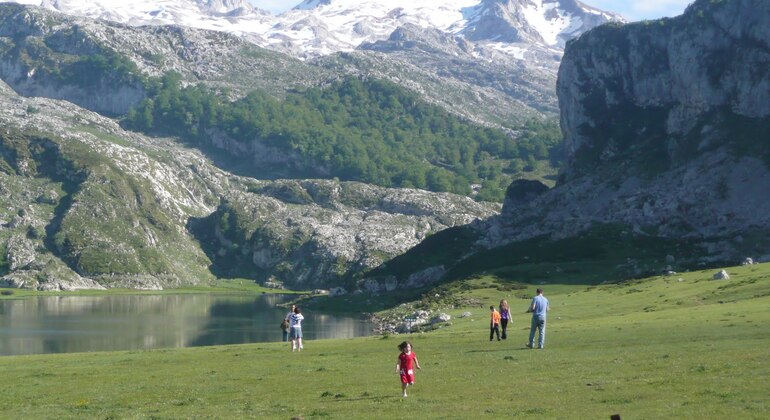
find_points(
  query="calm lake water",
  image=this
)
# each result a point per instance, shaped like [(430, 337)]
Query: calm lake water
[(68, 324)]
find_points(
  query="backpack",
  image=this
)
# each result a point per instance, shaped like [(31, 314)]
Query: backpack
[(284, 324)]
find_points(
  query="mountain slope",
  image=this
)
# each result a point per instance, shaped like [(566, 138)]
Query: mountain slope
[(130, 210), (666, 125), (496, 56), (42, 44), (86, 204)]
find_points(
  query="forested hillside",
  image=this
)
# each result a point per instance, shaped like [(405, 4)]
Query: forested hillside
[(361, 130)]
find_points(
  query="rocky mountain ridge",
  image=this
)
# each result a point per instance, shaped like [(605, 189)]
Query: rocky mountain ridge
[(48, 40), (92, 205), (492, 61), (314, 28)]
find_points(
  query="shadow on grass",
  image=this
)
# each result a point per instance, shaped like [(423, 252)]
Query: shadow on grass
[(491, 350), (370, 397)]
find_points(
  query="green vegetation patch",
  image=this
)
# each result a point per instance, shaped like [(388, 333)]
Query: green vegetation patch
[(104, 222), (602, 253), (4, 267), (371, 131)]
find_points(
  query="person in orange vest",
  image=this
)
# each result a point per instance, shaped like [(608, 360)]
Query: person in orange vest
[(494, 323)]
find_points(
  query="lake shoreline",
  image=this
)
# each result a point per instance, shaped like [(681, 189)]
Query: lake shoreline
[(245, 286), (67, 322)]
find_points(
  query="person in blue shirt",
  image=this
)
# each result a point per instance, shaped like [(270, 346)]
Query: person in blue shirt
[(286, 323), (538, 307)]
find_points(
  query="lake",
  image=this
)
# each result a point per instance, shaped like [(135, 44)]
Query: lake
[(68, 324)]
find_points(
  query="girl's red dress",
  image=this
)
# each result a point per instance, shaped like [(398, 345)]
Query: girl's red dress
[(407, 370)]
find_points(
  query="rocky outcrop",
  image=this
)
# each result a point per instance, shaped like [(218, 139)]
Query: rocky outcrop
[(99, 65), (322, 232), (666, 125), (668, 90), (31, 64), (511, 21)]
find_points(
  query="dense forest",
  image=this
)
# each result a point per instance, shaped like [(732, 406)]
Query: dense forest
[(362, 130)]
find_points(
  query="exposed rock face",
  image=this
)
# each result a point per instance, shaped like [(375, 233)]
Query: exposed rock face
[(666, 126), (512, 21), (34, 41), (316, 232), (26, 70), (681, 86)]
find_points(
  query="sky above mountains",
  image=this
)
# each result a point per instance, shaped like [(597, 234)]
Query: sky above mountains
[(632, 10)]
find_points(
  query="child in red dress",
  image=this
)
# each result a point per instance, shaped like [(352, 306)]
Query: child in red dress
[(405, 367)]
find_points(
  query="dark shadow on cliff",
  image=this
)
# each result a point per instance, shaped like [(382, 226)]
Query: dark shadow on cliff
[(604, 253), (224, 265)]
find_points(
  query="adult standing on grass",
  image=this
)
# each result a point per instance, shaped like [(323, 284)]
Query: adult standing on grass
[(295, 329), (505, 317), (539, 307), (494, 323), (286, 323)]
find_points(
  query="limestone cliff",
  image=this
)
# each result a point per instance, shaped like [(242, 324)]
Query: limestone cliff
[(660, 93), (666, 126)]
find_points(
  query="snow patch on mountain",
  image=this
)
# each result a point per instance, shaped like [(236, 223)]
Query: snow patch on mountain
[(548, 20)]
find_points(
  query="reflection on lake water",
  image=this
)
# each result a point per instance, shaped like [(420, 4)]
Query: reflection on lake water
[(67, 324)]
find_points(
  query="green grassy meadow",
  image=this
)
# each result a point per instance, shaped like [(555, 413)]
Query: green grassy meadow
[(681, 346)]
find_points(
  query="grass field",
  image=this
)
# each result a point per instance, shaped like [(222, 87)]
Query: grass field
[(682, 346)]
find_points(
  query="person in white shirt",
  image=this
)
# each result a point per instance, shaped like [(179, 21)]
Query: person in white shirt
[(295, 330)]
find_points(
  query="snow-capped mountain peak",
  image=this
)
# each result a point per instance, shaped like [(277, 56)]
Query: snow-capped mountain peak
[(321, 27), (546, 22)]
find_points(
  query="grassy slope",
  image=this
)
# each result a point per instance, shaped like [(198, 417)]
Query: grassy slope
[(656, 348)]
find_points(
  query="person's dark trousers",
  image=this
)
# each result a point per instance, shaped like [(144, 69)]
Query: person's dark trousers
[(494, 329), (504, 325)]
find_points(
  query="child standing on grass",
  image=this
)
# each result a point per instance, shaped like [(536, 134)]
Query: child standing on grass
[(494, 323), (407, 360)]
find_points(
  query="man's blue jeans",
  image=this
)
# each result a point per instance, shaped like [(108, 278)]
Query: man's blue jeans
[(538, 322)]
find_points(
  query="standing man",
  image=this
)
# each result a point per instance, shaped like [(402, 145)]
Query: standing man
[(539, 307), (286, 323)]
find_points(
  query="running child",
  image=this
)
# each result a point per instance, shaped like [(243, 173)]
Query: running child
[(407, 360)]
